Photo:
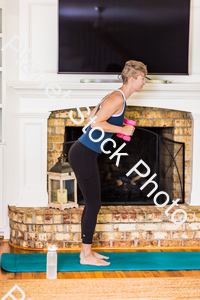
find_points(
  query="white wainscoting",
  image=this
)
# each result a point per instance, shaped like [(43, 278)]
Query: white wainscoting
[(32, 160)]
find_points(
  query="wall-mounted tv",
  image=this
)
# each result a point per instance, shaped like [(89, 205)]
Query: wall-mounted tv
[(99, 36)]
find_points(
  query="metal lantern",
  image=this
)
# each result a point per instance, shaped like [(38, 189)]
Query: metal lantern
[(62, 185)]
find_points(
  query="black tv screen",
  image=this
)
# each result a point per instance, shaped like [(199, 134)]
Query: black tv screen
[(99, 36)]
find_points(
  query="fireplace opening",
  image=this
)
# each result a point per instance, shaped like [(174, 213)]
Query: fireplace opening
[(156, 147)]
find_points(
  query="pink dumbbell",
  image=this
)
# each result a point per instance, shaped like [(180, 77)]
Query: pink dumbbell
[(126, 138)]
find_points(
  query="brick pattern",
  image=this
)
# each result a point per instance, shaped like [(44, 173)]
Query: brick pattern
[(145, 117), (117, 226)]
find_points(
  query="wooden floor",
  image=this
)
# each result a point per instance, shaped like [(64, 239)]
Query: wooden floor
[(6, 248)]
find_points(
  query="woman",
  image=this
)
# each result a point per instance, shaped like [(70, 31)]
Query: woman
[(83, 154)]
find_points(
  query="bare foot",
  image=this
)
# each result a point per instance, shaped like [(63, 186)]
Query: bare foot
[(97, 255), (91, 260)]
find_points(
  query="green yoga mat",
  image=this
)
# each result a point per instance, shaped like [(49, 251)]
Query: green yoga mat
[(125, 261)]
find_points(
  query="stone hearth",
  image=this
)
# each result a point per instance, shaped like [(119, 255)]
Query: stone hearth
[(117, 226)]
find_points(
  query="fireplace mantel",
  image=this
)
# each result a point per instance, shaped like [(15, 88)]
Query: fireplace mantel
[(34, 108), (179, 96)]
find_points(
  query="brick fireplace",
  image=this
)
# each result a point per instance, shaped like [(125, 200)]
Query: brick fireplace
[(148, 117), (40, 123)]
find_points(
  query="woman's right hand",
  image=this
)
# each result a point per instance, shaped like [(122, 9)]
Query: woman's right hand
[(128, 130)]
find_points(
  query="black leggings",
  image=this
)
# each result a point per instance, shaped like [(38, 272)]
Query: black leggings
[(84, 164)]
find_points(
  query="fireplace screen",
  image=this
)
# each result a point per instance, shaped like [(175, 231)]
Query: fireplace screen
[(163, 156)]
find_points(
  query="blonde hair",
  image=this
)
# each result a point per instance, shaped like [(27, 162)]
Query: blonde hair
[(133, 69)]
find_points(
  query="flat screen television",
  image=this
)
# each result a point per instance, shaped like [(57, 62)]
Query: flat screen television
[(99, 36)]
